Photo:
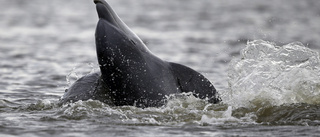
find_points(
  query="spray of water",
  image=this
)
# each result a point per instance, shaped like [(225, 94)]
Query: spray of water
[(274, 75)]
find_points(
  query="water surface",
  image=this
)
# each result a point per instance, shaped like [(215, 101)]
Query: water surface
[(262, 56)]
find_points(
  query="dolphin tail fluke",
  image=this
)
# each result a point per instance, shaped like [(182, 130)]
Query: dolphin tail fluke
[(190, 80)]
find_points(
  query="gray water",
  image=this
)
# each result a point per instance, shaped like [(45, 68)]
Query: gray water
[(269, 87)]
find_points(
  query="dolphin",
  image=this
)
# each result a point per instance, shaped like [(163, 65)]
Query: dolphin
[(130, 74)]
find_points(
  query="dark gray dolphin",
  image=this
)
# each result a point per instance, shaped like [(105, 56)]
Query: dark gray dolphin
[(129, 73)]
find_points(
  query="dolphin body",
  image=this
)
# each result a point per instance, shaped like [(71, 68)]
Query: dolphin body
[(129, 73)]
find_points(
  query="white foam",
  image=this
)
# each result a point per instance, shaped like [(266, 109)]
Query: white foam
[(218, 118)]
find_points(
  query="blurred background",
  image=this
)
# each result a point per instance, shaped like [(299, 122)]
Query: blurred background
[(204, 35)]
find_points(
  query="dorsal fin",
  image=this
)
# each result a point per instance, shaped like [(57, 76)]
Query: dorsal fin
[(190, 80)]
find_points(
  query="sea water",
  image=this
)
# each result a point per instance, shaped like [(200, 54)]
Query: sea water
[(262, 57)]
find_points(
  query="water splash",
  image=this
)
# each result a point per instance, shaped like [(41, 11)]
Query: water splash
[(267, 74), (180, 110)]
